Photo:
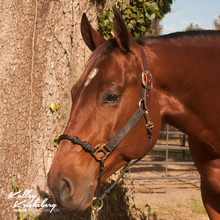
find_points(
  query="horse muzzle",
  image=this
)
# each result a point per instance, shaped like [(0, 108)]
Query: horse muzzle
[(69, 197)]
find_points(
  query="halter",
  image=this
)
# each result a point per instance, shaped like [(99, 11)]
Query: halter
[(142, 110)]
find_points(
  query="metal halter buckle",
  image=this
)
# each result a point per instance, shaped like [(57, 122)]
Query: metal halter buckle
[(147, 78), (100, 148)]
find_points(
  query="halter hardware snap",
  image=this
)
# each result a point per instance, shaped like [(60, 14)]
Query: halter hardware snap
[(147, 117), (149, 123), (96, 208), (100, 148)]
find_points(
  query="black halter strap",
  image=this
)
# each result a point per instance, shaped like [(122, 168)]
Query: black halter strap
[(75, 140)]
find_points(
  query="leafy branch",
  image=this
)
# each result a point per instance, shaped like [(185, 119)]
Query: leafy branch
[(139, 16)]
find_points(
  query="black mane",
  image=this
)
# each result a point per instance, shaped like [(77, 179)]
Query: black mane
[(178, 35)]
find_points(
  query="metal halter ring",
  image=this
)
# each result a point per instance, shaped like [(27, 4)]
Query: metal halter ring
[(140, 102), (96, 207), (100, 148)]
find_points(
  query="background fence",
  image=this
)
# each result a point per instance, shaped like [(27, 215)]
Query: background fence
[(171, 144)]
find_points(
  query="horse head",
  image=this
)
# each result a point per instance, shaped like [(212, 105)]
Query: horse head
[(104, 98)]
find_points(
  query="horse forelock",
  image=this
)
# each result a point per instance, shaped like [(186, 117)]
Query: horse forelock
[(101, 51)]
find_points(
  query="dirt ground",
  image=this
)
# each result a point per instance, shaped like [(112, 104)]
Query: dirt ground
[(163, 199)]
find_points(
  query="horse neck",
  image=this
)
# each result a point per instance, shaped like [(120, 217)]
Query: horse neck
[(179, 68)]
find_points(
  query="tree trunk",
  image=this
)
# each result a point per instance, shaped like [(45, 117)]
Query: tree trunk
[(41, 56)]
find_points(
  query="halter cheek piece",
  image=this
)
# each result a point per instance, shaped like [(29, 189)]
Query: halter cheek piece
[(142, 110)]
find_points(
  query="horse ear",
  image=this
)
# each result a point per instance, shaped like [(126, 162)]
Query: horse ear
[(123, 37), (91, 37)]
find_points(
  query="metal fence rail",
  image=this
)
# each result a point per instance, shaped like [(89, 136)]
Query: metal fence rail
[(165, 177), (170, 139)]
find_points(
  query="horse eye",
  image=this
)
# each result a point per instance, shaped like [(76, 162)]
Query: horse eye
[(111, 98)]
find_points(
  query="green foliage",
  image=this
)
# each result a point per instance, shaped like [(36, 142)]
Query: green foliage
[(193, 27), (54, 107), (196, 206), (28, 216), (15, 186), (216, 23), (139, 16), (56, 141), (117, 204)]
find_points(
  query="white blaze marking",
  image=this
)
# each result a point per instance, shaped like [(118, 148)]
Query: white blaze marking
[(91, 76)]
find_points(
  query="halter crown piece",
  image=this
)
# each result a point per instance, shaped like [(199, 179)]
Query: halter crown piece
[(142, 110)]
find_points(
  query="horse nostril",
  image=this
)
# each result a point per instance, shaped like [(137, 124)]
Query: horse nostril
[(66, 189)]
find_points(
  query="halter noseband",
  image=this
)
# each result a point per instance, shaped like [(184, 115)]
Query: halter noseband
[(143, 109)]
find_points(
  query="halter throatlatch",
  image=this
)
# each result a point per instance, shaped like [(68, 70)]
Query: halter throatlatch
[(142, 110)]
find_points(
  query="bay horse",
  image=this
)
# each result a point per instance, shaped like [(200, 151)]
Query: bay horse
[(185, 70)]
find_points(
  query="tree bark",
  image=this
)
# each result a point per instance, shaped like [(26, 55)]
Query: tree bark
[(41, 56)]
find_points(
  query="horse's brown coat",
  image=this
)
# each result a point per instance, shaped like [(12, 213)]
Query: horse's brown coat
[(186, 94)]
